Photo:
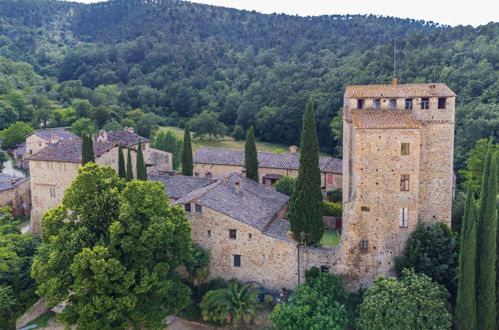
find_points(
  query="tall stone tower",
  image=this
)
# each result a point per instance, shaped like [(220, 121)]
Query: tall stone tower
[(398, 143)]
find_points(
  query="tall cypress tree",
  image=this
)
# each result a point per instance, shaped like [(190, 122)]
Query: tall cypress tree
[(466, 290), (85, 149), (129, 169), (486, 246), (141, 165), (121, 163), (187, 152), (91, 148), (305, 207), (251, 156)]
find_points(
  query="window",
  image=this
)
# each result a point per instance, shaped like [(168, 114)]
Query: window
[(209, 175), (377, 104), (232, 233), (50, 166), (404, 217), (196, 175), (199, 208), (404, 182), (393, 104), (363, 244), (404, 149), (187, 207), (143, 147), (408, 104), (324, 269), (329, 178), (425, 103), (237, 260), (441, 102), (360, 104), (52, 192), (250, 236), (209, 233)]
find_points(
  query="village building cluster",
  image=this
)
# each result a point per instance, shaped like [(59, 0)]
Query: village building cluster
[(396, 170)]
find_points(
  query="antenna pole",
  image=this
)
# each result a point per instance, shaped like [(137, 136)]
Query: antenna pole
[(395, 57)]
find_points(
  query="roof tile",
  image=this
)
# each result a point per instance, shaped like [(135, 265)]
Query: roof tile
[(384, 119), (398, 90)]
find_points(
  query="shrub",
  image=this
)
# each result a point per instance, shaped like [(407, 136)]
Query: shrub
[(238, 133), (312, 273), (214, 284), (332, 209), (335, 196), (285, 185)]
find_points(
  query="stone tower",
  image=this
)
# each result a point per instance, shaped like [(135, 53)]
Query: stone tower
[(398, 143)]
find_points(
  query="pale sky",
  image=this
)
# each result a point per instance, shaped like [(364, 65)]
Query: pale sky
[(451, 12)]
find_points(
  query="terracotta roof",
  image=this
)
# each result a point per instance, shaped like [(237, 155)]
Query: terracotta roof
[(265, 160), (62, 134), (179, 185), (127, 139), (70, 151), (384, 119), (8, 181), (398, 90), (254, 203)]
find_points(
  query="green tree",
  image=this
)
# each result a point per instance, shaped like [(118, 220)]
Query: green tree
[(169, 141), (235, 304), (82, 126), (187, 152), (103, 253), (86, 149), (336, 127), (3, 158), (413, 302), (466, 289), (431, 250), (473, 173), (207, 123), (486, 245), (121, 163), (251, 156), (238, 133), (129, 168), (148, 124), (141, 164), (198, 266), (15, 134), (314, 305), (285, 185), (305, 207)]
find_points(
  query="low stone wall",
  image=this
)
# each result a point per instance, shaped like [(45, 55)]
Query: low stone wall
[(331, 222), (37, 310), (321, 258)]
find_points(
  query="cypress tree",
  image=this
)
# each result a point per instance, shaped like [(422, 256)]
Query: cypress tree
[(486, 246), (187, 152), (129, 169), (141, 165), (91, 155), (466, 290), (121, 163), (251, 156), (305, 207), (85, 149)]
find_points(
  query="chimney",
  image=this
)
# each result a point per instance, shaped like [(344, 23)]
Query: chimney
[(244, 172), (237, 187), (102, 136), (394, 81), (129, 129), (54, 138), (293, 149)]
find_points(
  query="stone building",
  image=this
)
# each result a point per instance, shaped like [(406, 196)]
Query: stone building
[(398, 143), (214, 162), (15, 192), (53, 169), (241, 223)]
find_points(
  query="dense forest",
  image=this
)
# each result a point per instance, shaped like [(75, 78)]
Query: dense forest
[(161, 62)]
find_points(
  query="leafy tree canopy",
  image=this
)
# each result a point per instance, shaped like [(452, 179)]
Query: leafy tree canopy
[(15, 134)]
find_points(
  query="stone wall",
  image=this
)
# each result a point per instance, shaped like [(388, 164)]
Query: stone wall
[(18, 198), (159, 161)]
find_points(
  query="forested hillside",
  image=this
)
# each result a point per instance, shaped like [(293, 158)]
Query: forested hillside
[(145, 62)]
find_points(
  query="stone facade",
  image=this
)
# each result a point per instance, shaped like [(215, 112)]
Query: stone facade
[(15, 192)]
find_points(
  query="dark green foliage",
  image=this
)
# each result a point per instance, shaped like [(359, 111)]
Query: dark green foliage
[(129, 167), (251, 156), (121, 163), (332, 209), (214, 284), (413, 302), (431, 250), (207, 123), (104, 249), (198, 266), (15, 134), (169, 141), (285, 185), (335, 196), (486, 254), (466, 289), (3, 158), (87, 149), (187, 152), (305, 207), (238, 133), (83, 126), (312, 273), (315, 305), (141, 164)]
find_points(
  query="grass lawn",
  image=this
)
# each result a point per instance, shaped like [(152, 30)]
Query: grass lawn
[(228, 142), (42, 320), (330, 238)]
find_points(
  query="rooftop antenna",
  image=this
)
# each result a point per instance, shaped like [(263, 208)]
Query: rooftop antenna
[(394, 79)]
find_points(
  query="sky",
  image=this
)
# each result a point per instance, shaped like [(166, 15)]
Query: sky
[(450, 12)]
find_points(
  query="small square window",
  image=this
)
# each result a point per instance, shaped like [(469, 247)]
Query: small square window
[(425, 103), (377, 104), (232, 233), (250, 236), (441, 102), (393, 104), (404, 217), (408, 104), (187, 207), (405, 149), (363, 244), (199, 208), (360, 104), (404, 182), (209, 175), (237, 260), (209, 233), (324, 269)]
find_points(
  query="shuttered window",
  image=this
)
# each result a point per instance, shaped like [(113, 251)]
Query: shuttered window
[(404, 217)]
